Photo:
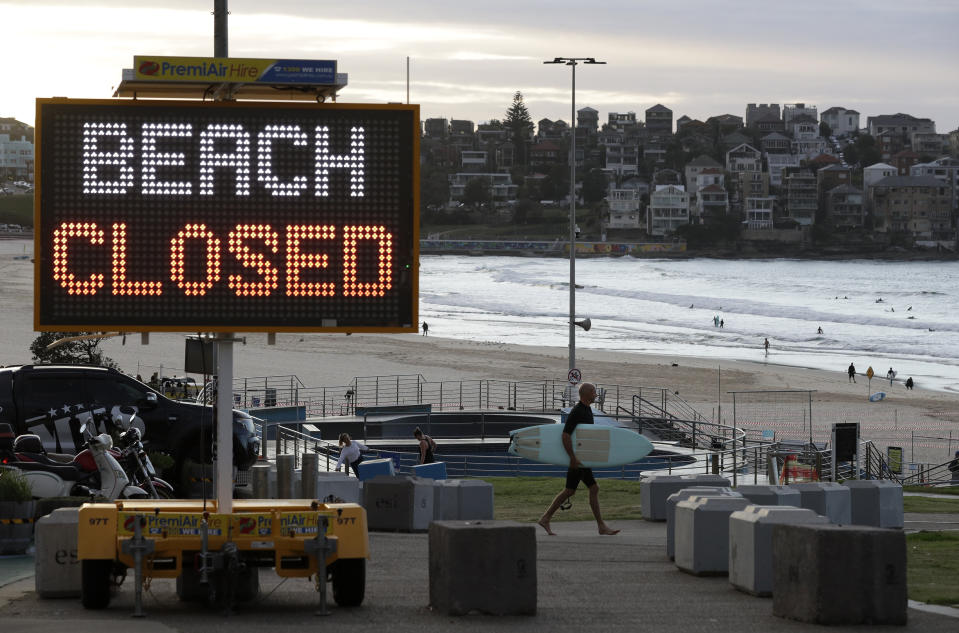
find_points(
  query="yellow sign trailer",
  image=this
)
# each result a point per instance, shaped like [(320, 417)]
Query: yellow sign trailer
[(212, 552)]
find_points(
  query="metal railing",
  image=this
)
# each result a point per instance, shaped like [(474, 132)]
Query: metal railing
[(405, 390)]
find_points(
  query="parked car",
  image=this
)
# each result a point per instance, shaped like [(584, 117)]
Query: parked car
[(40, 399)]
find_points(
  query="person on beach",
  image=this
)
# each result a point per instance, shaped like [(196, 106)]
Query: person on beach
[(766, 345), (426, 328), (351, 454), (427, 447), (954, 467), (722, 323), (909, 383), (852, 372), (581, 413), (891, 375)]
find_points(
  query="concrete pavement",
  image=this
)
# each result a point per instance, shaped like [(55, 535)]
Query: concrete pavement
[(585, 583)]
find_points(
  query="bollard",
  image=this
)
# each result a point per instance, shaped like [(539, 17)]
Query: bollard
[(57, 568), (261, 481), (284, 476), (715, 462), (487, 566), (308, 474), (831, 574)]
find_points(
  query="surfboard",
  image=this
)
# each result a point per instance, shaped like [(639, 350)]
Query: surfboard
[(876, 397), (595, 446)]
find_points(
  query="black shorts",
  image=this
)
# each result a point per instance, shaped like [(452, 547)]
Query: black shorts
[(576, 475)]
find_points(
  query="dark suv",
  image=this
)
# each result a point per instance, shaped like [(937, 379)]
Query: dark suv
[(40, 398)]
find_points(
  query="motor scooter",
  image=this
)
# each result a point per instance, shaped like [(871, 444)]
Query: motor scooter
[(94, 472)]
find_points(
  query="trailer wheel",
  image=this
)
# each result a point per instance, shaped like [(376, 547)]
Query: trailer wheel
[(95, 581), (349, 581)]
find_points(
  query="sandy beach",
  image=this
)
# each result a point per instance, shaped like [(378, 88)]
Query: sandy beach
[(335, 359)]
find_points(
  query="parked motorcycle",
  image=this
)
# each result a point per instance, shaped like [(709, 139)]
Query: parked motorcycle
[(133, 457), (94, 471)]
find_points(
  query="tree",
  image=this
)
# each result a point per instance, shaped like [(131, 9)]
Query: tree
[(520, 124), (476, 191), (82, 352), (434, 187), (594, 186), (824, 130)]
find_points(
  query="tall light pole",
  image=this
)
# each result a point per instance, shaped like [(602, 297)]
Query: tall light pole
[(572, 63)]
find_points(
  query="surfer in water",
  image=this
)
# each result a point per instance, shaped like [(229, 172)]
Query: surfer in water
[(581, 413), (766, 346)]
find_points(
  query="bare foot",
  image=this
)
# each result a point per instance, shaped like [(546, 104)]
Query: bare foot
[(607, 531), (545, 524)]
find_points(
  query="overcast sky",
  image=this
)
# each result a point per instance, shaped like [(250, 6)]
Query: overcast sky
[(698, 57)]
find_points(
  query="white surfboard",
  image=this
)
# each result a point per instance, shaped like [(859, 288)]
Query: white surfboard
[(595, 446)]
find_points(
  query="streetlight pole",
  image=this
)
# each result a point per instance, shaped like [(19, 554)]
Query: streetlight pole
[(572, 63)]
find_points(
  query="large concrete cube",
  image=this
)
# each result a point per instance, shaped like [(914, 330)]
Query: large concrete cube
[(876, 502), (829, 499), (57, 568), (475, 499), (763, 495), (831, 574), (683, 495), (337, 488), (445, 499), (655, 490), (487, 566), (702, 534), (751, 544), (402, 504)]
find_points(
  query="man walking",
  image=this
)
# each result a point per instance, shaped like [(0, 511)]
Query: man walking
[(581, 413), (852, 372)]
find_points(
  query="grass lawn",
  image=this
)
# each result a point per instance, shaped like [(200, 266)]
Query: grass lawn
[(930, 505), (932, 567), (938, 490), (525, 499), (932, 557)]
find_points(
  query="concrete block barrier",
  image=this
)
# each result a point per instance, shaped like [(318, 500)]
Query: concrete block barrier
[(475, 500), (655, 490), (831, 574), (402, 503), (764, 495), (445, 499), (487, 566), (829, 499), (751, 544), (876, 502), (57, 568), (337, 488), (683, 495), (702, 534)]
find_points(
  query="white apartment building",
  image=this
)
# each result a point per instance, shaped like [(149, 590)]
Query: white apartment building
[(473, 161), (777, 163), (759, 212), (668, 210), (500, 184), (16, 158), (841, 121), (624, 209)]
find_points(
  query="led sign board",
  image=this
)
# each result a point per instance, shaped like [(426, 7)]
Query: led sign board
[(187, 216)]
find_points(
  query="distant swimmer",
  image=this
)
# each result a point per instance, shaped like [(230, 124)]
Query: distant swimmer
[(909, 309), (879, 300), (819, 330)]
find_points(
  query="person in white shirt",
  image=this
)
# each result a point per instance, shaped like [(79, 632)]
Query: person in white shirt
[(351, 454)]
